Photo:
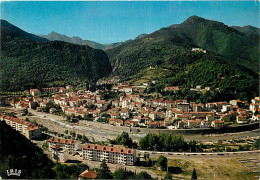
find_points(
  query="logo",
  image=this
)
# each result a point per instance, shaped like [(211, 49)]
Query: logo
[(13, 172)]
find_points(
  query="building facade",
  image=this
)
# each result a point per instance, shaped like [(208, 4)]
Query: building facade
[(114, 155), (29, 130), (71, 146)]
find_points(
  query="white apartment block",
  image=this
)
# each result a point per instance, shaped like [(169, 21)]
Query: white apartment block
[(26, 128), (71, 146), (114, 155)]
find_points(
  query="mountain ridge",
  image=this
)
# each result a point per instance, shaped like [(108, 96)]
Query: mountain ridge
[(210, 35), (6, 24), (31, 64), (54, 36)]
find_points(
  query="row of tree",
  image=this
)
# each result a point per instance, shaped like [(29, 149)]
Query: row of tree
[(168, 142)]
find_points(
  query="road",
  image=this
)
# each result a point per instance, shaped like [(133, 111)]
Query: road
[(204, 155)]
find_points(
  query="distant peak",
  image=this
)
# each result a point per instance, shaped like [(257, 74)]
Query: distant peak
[(53, 32), (194, 19)]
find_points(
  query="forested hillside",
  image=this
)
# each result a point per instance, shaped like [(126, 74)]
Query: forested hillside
[(192, 68), (240, 48), (230, 63), (27, 63)]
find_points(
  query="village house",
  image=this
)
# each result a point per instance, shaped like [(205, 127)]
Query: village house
[(183, 107), (197, 107), (116, 122), (35, 92), (182, 124), (88, 174), (226, 108), (124, 113), (241, 119), (172, 88), (217, 123), (194, 123), (168, 121), (131, 123)]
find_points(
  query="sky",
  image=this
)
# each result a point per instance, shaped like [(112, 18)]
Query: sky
[(116, 21)]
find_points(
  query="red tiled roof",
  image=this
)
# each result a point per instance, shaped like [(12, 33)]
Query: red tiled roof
[(108, 149), (17, 120), (31, 128), (61, 141), (89, 174)]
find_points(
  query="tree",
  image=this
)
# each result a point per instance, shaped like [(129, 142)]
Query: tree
[(143, 175), (34, 105), (194, 175), (125, 140), (104, 172), (84, 139), (257, 145), (168, 176), (123, 174), (162, 162)]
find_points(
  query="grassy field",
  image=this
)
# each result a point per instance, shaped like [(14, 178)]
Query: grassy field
[(220, 168)]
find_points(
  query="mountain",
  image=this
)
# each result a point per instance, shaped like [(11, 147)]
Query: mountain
[(53, 36), (230, 62), (127, 59), (250, 30), (10, 27), (31, 64)]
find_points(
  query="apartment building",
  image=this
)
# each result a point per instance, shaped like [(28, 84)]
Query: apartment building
[(26, 128), (114, 155), (71, 146)]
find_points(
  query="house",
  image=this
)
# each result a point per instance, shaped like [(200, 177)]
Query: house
[(240, 119), (124, 113), (256, 117), (116, 122), (52, 110), (115, 155), (131, 123), (68, 87), (115, 103), (217, 123), (197, 107), (194, 123), (172, 88), (168, 121), (183, 107), (204, 124), (87, 174), (198, 50), (182, 124), (152, 124), (35, 92), (236, 102), (226, 108), (210, 118)]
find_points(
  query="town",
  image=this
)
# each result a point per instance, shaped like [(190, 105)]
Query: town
[(130, 107)]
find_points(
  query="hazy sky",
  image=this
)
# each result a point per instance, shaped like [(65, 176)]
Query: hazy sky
[(107, 22)]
